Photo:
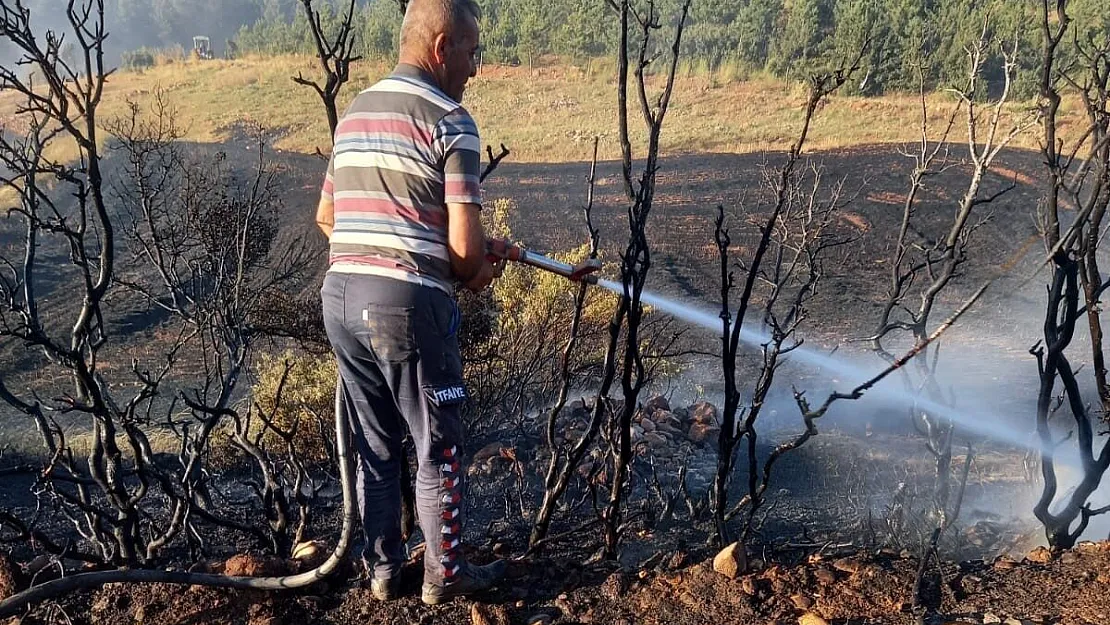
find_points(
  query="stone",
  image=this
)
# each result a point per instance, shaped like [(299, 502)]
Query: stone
[(802, 602), (702, 434), (483, 614), (8, 585), (824, 576), (657, 403), (703, 412), (732, 561), (748, 586), (668, 428), (1040, 555), (1005, 564), (655, 439), (1069, 557), (678, 560), (310, 554), (847, 565), (648, 426), (493, 450), (542, 618), (990, 619), (811, 618)]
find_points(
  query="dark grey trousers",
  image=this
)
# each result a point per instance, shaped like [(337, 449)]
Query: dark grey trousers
[(399, 364)]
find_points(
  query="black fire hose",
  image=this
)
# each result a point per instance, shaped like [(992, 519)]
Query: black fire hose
[(82, 581)]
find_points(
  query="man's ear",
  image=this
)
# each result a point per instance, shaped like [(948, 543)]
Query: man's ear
[(439, 48)]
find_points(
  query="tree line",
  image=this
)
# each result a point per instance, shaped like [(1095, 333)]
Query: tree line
[(912, 42)]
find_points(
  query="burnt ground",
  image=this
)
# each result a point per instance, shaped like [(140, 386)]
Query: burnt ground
[(814, 510), (681, 588)]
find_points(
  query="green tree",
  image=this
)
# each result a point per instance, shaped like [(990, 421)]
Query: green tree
[(754, 27), (380, 28), (802, 36)]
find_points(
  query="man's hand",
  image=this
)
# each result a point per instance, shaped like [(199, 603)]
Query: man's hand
[(486, 275)]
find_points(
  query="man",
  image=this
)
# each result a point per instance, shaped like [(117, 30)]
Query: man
[(400, 207)]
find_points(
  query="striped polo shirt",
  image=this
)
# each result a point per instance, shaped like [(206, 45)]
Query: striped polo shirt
[(402, 151)]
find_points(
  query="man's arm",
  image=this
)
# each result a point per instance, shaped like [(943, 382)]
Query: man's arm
[(457, 137), (325, 216), (466, 245)]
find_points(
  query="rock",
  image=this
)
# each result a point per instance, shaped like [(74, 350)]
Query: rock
[(8, 585), (657, 403), (989, 618), (802, 602), (1014, 621), (248, 565), (748, 586), (615, 585), (482, 614), (811, 618), (542, 618), (847, 565), (655, 439), (637, 433), (1069, 557), (824, 576), (667, 427), (310, 554), (702, 434), (648, 425), (40, 562), (493, 450), (703, 412), (732, 561), (1040, 555), (678, 560), (1005, 564)]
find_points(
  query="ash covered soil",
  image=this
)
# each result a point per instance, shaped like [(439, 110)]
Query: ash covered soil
[(681, 588)]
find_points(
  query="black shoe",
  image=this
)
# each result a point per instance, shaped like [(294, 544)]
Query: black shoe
[(473, 579), (385, 588)]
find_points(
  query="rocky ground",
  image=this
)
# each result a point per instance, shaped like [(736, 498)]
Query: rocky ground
[(681, 587)]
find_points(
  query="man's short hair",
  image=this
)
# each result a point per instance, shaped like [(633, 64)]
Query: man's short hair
[(424, 19)]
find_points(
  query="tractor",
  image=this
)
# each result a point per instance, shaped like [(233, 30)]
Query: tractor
[(202, 48)]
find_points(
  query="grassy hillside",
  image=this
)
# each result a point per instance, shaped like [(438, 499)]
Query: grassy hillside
[(549, 115)]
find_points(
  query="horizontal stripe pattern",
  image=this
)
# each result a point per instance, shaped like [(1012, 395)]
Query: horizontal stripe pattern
[(402, 152)]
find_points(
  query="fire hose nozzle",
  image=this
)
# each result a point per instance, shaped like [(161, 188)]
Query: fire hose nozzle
[(498, 249)]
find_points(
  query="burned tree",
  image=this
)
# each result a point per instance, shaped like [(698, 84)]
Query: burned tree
[(220, 269), (190, 240), (636, 258), (787, 259), (925, 266), (565, 459), (1078, 173), (63, 107), (336, 53)]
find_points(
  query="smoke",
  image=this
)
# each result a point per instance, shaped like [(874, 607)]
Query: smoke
[(133, 24)]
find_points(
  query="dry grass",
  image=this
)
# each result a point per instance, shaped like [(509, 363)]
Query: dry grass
[(549, 115)]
